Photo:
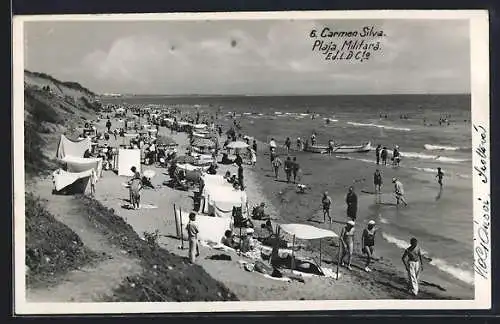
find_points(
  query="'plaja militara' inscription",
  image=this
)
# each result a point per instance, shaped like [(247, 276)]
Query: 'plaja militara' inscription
[(347, 45)]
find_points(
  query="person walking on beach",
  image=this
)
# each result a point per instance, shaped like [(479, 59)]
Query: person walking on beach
[(396, 156), (377, 181), (288, 143), (377, 153), (192, 230), (383, 155), (368, 243), (352, 203), (288, 169), (326, 202), (276, 165), (347, 240), (399, 192), (412, 260), (108, 125), (254, 146), (295, 169), (440, 176)]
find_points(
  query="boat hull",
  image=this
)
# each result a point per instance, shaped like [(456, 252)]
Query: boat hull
[(340, 149)]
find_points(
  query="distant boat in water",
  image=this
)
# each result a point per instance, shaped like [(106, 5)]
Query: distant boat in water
[(341, 148)]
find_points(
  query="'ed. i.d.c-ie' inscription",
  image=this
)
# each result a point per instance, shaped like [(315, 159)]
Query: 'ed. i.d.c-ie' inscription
[(347, 45)]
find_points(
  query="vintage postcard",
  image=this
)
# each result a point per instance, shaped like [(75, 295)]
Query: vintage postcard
[(252, 162)]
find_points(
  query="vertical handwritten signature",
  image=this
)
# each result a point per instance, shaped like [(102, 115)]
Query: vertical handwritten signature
[(482, 233), (482, 153)]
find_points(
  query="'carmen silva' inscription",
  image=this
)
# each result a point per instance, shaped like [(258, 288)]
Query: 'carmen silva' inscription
[(482, 218), (354, 45)]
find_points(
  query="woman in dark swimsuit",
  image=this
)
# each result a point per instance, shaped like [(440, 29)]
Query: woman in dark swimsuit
[(368, 243)]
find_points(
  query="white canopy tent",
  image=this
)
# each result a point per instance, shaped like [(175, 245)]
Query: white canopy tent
[(308, 232)]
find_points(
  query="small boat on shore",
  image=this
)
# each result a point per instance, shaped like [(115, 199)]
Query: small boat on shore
[(341, 148)]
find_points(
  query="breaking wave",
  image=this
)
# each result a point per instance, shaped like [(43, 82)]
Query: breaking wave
[(431, 147), (405, 129)]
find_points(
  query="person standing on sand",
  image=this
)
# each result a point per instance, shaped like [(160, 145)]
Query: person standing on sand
[(383, 155), (272, 156), (440, 176), (347, 240), (330, 147), (135, 189), (192, 230), (272, 144), (313, 138), (254, 146), (288, 144), (108, 125), (253, 157), (377, 153), (295, 169), (377, 181), (93, 181), (326, 202), (288, 169), (368, 243), (276, 165), (240, 177), (399, 192), (352, 203), (299, 144), (412, 260)]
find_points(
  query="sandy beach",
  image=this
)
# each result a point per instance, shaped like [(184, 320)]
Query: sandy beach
[(387, 281)]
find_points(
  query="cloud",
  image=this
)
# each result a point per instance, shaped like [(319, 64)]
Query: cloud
[(263, 57)]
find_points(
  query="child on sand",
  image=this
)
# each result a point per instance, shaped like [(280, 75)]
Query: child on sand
[(193, 231), (412, 259)]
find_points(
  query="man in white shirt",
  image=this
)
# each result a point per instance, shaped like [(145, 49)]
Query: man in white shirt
[(399, 192)]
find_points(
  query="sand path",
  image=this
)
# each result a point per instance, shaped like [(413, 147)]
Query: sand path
[(89, 283)]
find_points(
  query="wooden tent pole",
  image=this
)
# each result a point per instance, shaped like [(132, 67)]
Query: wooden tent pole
[(293, 253), (320, 252), (182, 229), (175, 220), (338, 258)]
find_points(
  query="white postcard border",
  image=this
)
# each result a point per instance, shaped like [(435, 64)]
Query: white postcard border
[(479, 39)]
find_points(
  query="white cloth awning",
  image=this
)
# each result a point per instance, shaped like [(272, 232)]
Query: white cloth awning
[(307, 232)]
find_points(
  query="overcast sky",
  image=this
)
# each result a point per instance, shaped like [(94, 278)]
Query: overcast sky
[(248, 57)]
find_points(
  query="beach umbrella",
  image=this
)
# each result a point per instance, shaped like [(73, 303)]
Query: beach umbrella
[(237, 145)]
